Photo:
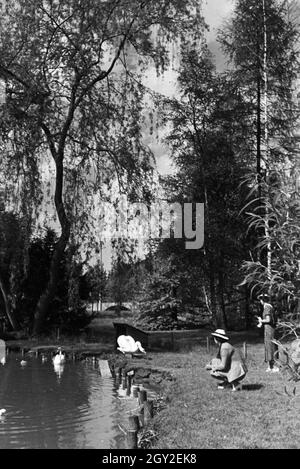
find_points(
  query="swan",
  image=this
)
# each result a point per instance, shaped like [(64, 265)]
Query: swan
[(59, 368), (2, 412), (23, 363), (128, 345), (59, 358), (44, 358)]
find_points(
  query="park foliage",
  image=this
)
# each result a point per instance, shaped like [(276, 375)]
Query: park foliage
[(75, 115)]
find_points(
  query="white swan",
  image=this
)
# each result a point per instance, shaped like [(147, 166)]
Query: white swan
[(23, 362), (59, 369), (128, 345), (2, 412), (59, 358)]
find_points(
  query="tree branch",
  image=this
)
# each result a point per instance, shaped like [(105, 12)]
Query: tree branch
[(104, 74), (11, 74), (50, 141)]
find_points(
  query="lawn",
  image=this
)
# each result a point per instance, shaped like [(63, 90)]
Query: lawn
[(264, 414)]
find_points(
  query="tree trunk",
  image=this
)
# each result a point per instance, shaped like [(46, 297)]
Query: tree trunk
[(266, 124), (48, 295), (174, 316), (258, 131), (216, 309), (259, 136), (220, 295), (9, 313)]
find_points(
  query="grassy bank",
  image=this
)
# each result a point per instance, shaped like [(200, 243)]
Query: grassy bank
[(265, 414)]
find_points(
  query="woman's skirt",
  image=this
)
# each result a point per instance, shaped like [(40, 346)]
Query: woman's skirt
[(270, 348), (237, 371)]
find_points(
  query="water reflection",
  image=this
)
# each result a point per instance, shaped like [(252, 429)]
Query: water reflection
[(44, 358), (2, 352), (69, 407), (59, 369)]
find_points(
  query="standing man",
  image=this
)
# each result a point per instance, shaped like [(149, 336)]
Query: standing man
[(269, 322)]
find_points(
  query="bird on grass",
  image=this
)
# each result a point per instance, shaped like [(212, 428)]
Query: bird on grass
[(128, 345)]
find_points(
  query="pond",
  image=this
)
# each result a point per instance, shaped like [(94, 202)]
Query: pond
[(72, 407)]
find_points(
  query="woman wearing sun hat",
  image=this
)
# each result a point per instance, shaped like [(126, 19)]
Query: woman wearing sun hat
[(228, 366)]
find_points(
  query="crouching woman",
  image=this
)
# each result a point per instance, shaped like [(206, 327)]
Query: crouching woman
[(228, 367)]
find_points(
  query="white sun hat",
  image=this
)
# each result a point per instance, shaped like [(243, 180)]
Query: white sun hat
[(220, 333)]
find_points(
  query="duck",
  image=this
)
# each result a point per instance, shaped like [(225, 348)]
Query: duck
[(59, 358), (128, 345)]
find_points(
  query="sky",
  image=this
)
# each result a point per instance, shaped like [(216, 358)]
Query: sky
[(214, 12)]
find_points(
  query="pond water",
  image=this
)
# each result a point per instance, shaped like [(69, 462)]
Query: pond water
[(72, 407)]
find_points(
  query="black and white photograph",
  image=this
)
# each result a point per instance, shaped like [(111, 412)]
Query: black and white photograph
[(149, 227)]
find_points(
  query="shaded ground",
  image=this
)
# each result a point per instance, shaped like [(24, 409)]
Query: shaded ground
[(100, 337)]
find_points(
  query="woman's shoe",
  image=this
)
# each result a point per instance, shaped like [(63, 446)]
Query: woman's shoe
[(222, 385), (237, 387)]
